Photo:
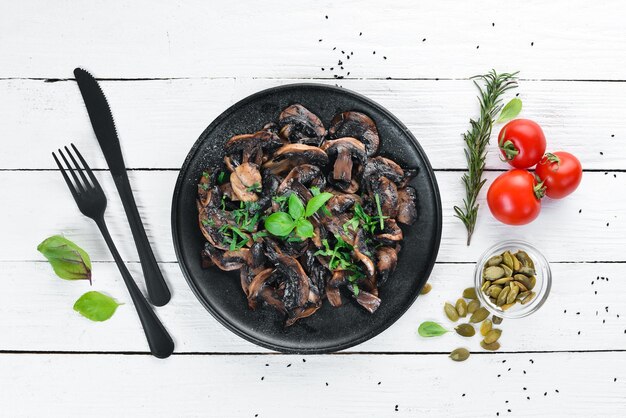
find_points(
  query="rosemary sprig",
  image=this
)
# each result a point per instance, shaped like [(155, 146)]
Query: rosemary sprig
[(476, 140)]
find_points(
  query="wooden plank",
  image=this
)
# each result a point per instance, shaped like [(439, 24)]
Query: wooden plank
[(268, 386), (223, 39), (158, 121), (39, 310), (587, 226)]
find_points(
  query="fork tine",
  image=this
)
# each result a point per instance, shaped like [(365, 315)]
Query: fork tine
[(94, 181), (79, 169), (74, 176), (67, 179)]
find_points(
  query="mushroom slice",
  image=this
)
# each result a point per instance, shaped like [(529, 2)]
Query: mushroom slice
[(345, 151), (383, 167), (388, 194), (356, 125), (306, 174), (339, 277), (360, 252), (387, 260), (296, 281), (342, 202), (407, 212), (259, 289), (211, 222), (298, 124), (229, 260), (292, 155), (391, 234), (301, 312), (246, 181), (367, 300)]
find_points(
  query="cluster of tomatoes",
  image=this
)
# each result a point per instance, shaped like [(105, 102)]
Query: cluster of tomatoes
[(514, 197)]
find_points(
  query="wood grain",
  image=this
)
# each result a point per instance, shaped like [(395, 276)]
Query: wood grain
[(558, 385), (436, 39), (158, 121), (35, 305)]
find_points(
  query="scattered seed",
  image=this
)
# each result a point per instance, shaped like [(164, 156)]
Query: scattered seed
[(470, 293), (479, 315), (492, 336), (496, 320), (451, 312), (461, 307), (460, 354), (472, 306), (465, 330), (490, 347), (485, 327), (427, 288)]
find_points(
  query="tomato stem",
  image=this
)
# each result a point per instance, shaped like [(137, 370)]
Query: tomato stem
[(509, 149), (539, 189)]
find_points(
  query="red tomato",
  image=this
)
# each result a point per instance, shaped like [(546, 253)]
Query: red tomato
[(522, 143), (514, 197), (560, 172)]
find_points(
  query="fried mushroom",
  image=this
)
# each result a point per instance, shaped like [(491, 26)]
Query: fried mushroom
[(356, 125)]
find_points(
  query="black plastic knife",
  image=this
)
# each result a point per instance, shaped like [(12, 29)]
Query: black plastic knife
[(104, 127)]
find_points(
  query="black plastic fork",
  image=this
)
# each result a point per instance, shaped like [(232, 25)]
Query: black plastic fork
[(92, 202)]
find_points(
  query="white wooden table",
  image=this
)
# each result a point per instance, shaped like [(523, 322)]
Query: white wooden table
[(169, 68)]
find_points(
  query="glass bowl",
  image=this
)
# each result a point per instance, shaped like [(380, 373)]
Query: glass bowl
[(542, 273)]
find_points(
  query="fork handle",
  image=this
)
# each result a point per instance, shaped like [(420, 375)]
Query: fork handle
[(158, 292), (159, 340)]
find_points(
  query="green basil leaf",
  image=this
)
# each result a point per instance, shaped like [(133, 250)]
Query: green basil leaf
[(304, 229), (511, 110), (317, 202), (96, 306), (431, 329), (296, 207), (279, 224), (68, 260)]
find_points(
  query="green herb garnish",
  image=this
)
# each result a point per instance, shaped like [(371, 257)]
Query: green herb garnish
[(68, 260), (476, 140), (281, 224), (96, 306), (510, 110), (431, 329), (255, 188), (221, 177)]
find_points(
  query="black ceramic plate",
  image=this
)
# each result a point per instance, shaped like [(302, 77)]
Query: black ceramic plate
[(329, 329)]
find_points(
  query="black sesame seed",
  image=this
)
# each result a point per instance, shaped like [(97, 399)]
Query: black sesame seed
[(578, 332), (289, 365), (504, 361), (508, 410), (463, 395), (334, 48), (545, 394), (396, 407), (304, 360), (612, 135), (532, 361), (262, 377), (556, 390), (322, 68), (424, 40), (524, 388), (493, 24), (580, 211), (326, 16), (326, 383), (266, 365), (615, 379), (319, 40), (379, 383), (528, 397), (360, 33), (384, 57), (373, 52), (477, 46), (601, 153), (532, 43)]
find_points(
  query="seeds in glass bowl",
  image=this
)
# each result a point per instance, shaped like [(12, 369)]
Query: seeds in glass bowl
[(509, 278)]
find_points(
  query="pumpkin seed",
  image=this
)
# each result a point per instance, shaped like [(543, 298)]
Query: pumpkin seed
[(501, 300), (508, 272), (522, 295), (527, 271), (496, 260), (479, 315), (469, 293), (516, 264), (494, 291), (510, 298), (521, 286), (523, 280), (491, 347), (460, 354), (507, 259), (451, 312), (493, 273), (485, 286), (485, 327), (492, 336), (472, 306), (507, 306), (465, 330), (533, 282), (525, 259), (496, 320), (503, 280), (427, 288), (528, 298), (461, 307)]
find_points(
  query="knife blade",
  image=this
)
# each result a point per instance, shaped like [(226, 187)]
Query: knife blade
[(106, 133)]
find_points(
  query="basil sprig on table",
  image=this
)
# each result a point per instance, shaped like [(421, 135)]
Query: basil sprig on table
[(96, 306), (282, 224), (68, 260)]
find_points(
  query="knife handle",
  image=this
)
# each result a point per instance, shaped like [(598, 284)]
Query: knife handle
[(158, 293)]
